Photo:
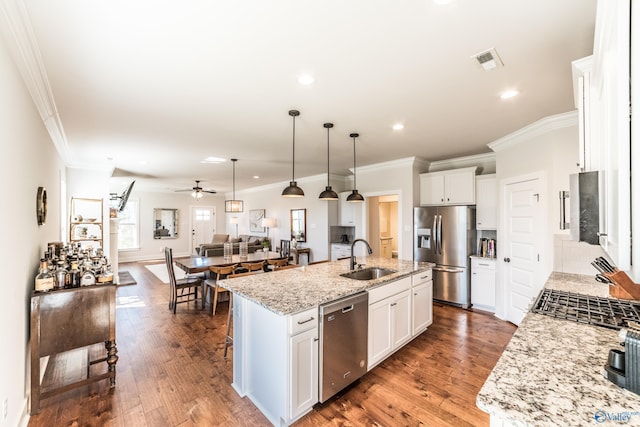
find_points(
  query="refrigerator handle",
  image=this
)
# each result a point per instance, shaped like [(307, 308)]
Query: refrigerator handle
[(434, 236), (440, 234)]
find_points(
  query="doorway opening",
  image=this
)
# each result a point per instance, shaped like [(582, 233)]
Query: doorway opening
[(382, 219)]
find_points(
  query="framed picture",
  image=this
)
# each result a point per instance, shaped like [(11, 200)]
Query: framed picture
[(255, 220)]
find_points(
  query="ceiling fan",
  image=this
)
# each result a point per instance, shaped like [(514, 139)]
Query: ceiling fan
[(197, 192)]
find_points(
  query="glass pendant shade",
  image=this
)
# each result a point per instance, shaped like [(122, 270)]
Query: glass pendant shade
[(293, 190), (234, 205), (354, 196), (328, 193), (196, 195)]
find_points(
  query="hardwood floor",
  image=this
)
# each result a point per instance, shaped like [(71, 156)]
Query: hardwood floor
[(171, 372)]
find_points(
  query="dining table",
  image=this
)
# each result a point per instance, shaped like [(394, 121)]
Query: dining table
[(197, 264)]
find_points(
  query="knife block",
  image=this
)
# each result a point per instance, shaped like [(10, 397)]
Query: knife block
[(623, 287)]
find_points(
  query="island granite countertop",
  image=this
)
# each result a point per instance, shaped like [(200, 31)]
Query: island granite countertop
[(293, 290), (550, 374)]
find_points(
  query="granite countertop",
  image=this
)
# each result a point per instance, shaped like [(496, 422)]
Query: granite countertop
[(550, 374), (293, 290)]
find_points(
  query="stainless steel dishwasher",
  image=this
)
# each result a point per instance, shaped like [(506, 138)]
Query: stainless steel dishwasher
[(343, 343)]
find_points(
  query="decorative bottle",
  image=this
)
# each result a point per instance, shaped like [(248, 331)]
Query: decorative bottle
[(61, 276), (74, 275), (44, 279), (88, 278)]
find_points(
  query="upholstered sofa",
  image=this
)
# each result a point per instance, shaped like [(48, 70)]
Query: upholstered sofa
[(216, 247)]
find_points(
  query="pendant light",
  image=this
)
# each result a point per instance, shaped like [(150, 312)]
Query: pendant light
[(293, 190), (328, 193), (354, 196), (234, 205)]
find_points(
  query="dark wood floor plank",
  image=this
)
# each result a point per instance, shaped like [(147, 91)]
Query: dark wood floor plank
[(171, 372)]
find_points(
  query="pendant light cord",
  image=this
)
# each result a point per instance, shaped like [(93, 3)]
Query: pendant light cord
[(354, 163), (328, 156), (293, 166)]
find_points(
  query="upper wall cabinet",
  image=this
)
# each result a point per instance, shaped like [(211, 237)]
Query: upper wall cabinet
[(451, 187), (609, 127), (486, 202)]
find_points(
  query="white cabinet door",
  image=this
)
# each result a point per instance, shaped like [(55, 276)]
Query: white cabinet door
[(400, 319), (379, 342), (460, 187), (451, 187), (304, 372), (422, 307), (431, 189), (347, 211), (483, 284), (610, 110), (486, 202)]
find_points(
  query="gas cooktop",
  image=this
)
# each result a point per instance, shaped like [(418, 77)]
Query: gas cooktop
[(599, 311)]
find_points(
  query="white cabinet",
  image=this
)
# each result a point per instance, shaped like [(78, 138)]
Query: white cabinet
[(340, 251), (275, 359), (483, 283), (421, 302), (349, 211), (303, 353), (303, 349), (389, 319), (386, 247), (486, 202), (451, 187)]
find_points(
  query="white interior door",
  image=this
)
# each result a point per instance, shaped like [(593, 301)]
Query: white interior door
[(522, 248), (203, 225)]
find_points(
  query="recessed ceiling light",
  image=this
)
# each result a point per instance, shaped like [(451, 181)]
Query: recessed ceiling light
[(509, 94), (306, 79), (143, 162), (212, 160), (256, 177), (398, 126)]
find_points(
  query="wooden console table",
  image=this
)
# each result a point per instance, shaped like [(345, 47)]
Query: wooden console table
[(296, 252), (68, 319)]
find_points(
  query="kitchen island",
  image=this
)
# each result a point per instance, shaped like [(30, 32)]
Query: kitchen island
[(550, 374), (275, 324)]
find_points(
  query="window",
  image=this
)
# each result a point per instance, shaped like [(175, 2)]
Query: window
[(128, 229)]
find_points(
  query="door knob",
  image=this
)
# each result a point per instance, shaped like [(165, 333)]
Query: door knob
[(506, 259)]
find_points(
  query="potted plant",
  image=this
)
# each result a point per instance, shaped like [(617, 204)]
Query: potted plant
[(266, 244)]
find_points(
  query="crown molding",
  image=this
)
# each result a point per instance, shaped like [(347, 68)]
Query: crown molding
[(461, 162), (26, 55), (542, 126), (407, 161)]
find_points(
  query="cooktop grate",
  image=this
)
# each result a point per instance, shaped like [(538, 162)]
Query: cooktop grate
[(610, 313)]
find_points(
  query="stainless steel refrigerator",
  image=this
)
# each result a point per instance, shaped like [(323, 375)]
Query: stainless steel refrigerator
[(446, 236)]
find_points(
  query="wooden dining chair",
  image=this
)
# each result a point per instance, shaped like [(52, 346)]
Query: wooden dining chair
[(181, 290), (278, 263), (212, 284), (285, 248), (248, 267)]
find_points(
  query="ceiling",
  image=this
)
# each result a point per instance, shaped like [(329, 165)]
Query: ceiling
[(151, 88)]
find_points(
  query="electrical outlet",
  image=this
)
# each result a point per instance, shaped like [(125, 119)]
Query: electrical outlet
[(5, 407)]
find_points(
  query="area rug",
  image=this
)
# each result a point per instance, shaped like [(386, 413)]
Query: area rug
[(125, 278), (160, 271)]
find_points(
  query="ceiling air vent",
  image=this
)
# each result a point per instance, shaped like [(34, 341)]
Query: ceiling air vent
[(489, 59)]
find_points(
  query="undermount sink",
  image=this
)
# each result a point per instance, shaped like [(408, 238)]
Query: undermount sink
[(368, 273)]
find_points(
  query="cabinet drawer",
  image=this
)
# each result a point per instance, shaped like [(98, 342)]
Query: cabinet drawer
[(303, 321), (489, 263), (422, 277), (389, 289)]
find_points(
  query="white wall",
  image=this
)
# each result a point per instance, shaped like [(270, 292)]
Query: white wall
[(151, 248), (320, 213), (29, 160), (399, 177), (553, 152)]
